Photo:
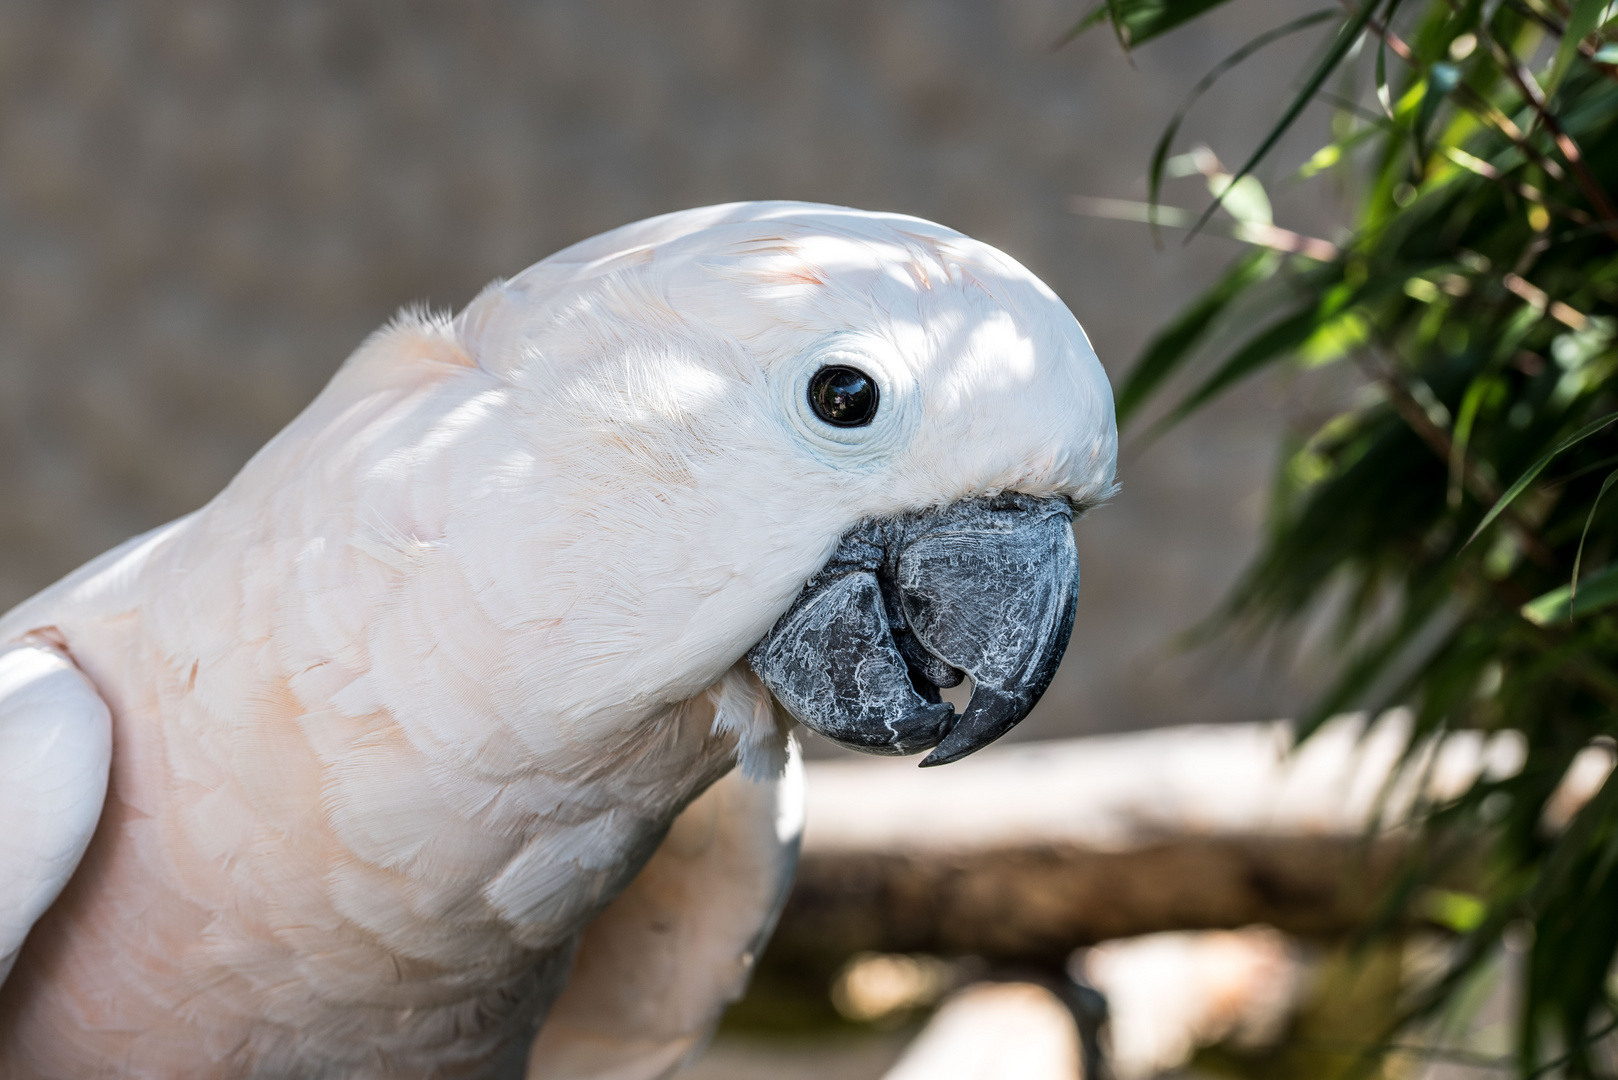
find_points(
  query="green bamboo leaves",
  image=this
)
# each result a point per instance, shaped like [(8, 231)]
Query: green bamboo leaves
[(1174, 344), (1138, 21), (1443, 518), (1582, 21), (1560, 605), (1533, 471)]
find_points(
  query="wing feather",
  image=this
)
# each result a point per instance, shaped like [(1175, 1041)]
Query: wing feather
[(55, 750)]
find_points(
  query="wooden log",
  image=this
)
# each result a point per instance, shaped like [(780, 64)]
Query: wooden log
[(1037, 904), (1021, 854)]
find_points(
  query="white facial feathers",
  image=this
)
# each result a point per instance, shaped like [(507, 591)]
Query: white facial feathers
[(710, 321)]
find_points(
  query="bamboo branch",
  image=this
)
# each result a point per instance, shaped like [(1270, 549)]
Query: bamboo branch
[(1440, 442), (1558, 28), (1529, 88), (1533, 194)]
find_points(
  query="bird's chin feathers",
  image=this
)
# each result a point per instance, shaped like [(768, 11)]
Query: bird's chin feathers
[(745, 709)]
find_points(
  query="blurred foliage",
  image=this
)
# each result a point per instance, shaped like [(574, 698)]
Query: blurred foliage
[(1450, 527), (1350, 995)]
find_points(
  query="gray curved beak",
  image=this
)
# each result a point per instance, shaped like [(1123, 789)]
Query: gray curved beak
[(984, 587)]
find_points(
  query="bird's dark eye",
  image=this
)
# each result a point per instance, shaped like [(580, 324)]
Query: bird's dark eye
[(843, 396)]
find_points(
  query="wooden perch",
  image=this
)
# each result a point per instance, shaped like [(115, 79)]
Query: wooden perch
[(1023, 853)]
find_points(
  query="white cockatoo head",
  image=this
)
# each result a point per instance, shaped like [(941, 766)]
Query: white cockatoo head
[(846, 445)]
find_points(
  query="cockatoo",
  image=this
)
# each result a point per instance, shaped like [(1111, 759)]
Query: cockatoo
[(419, 739)]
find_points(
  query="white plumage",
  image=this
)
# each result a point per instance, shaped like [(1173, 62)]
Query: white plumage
[(55, 745), (398, 715)]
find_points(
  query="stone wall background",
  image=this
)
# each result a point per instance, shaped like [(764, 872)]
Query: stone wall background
[(204, 207)]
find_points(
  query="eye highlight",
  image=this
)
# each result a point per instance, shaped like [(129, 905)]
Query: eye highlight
[(843, 396)]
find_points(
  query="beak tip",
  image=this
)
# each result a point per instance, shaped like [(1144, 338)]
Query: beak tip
[(990, 714)]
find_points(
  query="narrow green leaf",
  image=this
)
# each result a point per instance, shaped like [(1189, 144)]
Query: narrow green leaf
[(1461, 437), (1139, 21), (1115, 15), (1347, 33), (1442, 78), (1578, 557), (1097, 14), (1160, 153), (1534, 470), (1174, 343), (1270, 344), (1581, 23), (1600, 590)]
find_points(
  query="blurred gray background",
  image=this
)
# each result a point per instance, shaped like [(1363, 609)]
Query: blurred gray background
[(204, 207)]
